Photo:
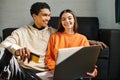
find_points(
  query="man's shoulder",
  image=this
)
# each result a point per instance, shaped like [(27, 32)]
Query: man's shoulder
[(23, 28), (52, 30)]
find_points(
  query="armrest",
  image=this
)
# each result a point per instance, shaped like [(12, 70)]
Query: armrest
[(104, 54)]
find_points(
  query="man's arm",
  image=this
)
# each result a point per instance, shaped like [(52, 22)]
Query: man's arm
[(103, 45)]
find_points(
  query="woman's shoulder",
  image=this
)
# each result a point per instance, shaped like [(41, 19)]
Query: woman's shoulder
[(81, 35)]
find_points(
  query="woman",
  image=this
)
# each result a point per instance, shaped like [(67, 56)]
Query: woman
[(66, 36)]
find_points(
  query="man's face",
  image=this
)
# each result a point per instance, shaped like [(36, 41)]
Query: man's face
[(42, 19)]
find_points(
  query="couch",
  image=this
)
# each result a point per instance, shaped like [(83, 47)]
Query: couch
[(108, 60), (112, 38), (0, 38)]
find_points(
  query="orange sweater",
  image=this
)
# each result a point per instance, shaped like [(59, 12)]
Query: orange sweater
[(62, 40)]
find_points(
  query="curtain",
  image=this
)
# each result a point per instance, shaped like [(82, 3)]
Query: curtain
[(117, 11)]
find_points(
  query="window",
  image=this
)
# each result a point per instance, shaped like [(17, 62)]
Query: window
[(117, 11)]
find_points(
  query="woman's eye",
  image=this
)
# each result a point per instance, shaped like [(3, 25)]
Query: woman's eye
[(63, 19)]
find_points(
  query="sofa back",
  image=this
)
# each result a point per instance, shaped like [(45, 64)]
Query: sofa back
[(88, 26), (7, 32)]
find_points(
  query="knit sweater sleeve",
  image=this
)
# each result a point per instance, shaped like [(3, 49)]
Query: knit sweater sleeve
[(85, 41), (50, 57), (51, 53), (11, 42)]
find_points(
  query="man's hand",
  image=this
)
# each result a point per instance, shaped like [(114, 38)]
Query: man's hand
[(24, 54), (101, 44)]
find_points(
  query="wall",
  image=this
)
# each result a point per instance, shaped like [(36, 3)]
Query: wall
[(15, 13), (105, 10)]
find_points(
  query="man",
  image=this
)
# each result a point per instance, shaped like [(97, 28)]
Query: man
[(27, 45)]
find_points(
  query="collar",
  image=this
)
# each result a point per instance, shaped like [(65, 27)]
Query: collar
[(37, 27)]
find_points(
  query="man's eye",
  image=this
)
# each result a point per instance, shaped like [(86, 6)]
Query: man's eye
[(44, 15)]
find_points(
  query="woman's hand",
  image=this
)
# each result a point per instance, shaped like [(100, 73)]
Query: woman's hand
[(52, 72), (93, 74)]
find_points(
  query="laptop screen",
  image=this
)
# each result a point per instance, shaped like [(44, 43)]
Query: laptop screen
[(75, 62)]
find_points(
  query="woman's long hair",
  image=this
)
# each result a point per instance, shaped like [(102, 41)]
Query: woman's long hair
[(60, 27)]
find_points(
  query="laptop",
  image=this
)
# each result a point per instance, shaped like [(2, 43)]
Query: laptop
[(74, 62)]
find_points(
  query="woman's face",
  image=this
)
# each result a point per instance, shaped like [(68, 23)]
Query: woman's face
[(67, 21)]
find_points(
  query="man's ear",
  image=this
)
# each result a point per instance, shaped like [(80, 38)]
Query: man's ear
[(33, 15)]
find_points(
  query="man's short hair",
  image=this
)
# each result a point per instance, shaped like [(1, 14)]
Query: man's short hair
[(36, 7)]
